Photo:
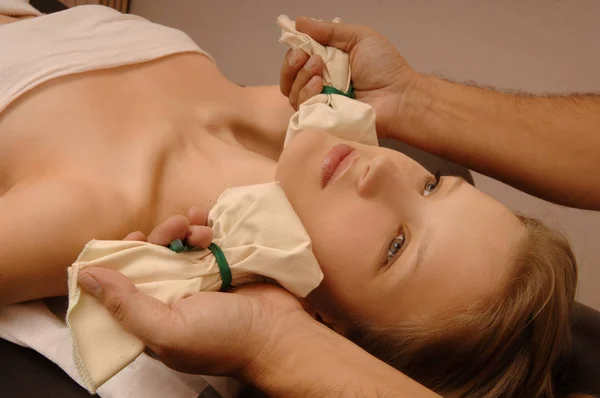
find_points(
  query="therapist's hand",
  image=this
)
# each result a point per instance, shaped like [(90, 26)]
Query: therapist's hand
[(380, 76), (208, 332), (257, 333), (213, 333)]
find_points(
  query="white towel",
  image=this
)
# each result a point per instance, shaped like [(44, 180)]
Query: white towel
[(77, 40)]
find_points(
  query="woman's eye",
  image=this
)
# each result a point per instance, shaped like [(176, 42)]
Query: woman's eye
[(431, 186), (395, 246)]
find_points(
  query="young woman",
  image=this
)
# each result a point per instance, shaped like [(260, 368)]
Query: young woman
[(111, 124)]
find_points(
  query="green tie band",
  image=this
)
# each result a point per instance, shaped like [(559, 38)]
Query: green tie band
[(333, 90), (178, 247), (223, 266)]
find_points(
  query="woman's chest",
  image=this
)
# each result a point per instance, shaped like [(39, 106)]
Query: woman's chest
[(161, 144)]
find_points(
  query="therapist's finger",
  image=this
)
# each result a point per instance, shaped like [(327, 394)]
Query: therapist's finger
[(313, 67), (200, 236), (197, 216), (145, 317), (340, 35), (293, 62), (137, 235), (312, 88), (175, 227)]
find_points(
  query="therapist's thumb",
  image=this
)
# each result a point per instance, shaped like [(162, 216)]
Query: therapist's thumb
[(339, 35), (142, 315)]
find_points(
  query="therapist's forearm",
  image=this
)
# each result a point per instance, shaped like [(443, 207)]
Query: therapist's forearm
[(546, 146), (320, 363)]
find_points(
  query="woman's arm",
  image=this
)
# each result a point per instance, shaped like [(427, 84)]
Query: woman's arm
[(43, 227)]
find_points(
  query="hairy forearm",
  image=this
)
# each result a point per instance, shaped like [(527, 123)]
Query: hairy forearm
[(547, 146), (320, 363)]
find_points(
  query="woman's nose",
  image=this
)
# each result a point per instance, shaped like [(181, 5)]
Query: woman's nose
[(381, 171)]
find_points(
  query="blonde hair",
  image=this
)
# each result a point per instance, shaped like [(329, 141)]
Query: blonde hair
[(506, 346)]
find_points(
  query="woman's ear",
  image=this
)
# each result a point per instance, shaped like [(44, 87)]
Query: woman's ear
[(325, 318)]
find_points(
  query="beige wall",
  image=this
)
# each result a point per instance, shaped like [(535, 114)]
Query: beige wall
[(536, 46)]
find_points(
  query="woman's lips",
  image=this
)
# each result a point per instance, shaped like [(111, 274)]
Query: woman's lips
[(337, 160)]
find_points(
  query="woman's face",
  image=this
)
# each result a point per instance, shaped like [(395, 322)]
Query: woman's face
[(392, 242)]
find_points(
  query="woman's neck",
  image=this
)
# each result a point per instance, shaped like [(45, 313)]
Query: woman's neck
[(266, 120), (234, 140)]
